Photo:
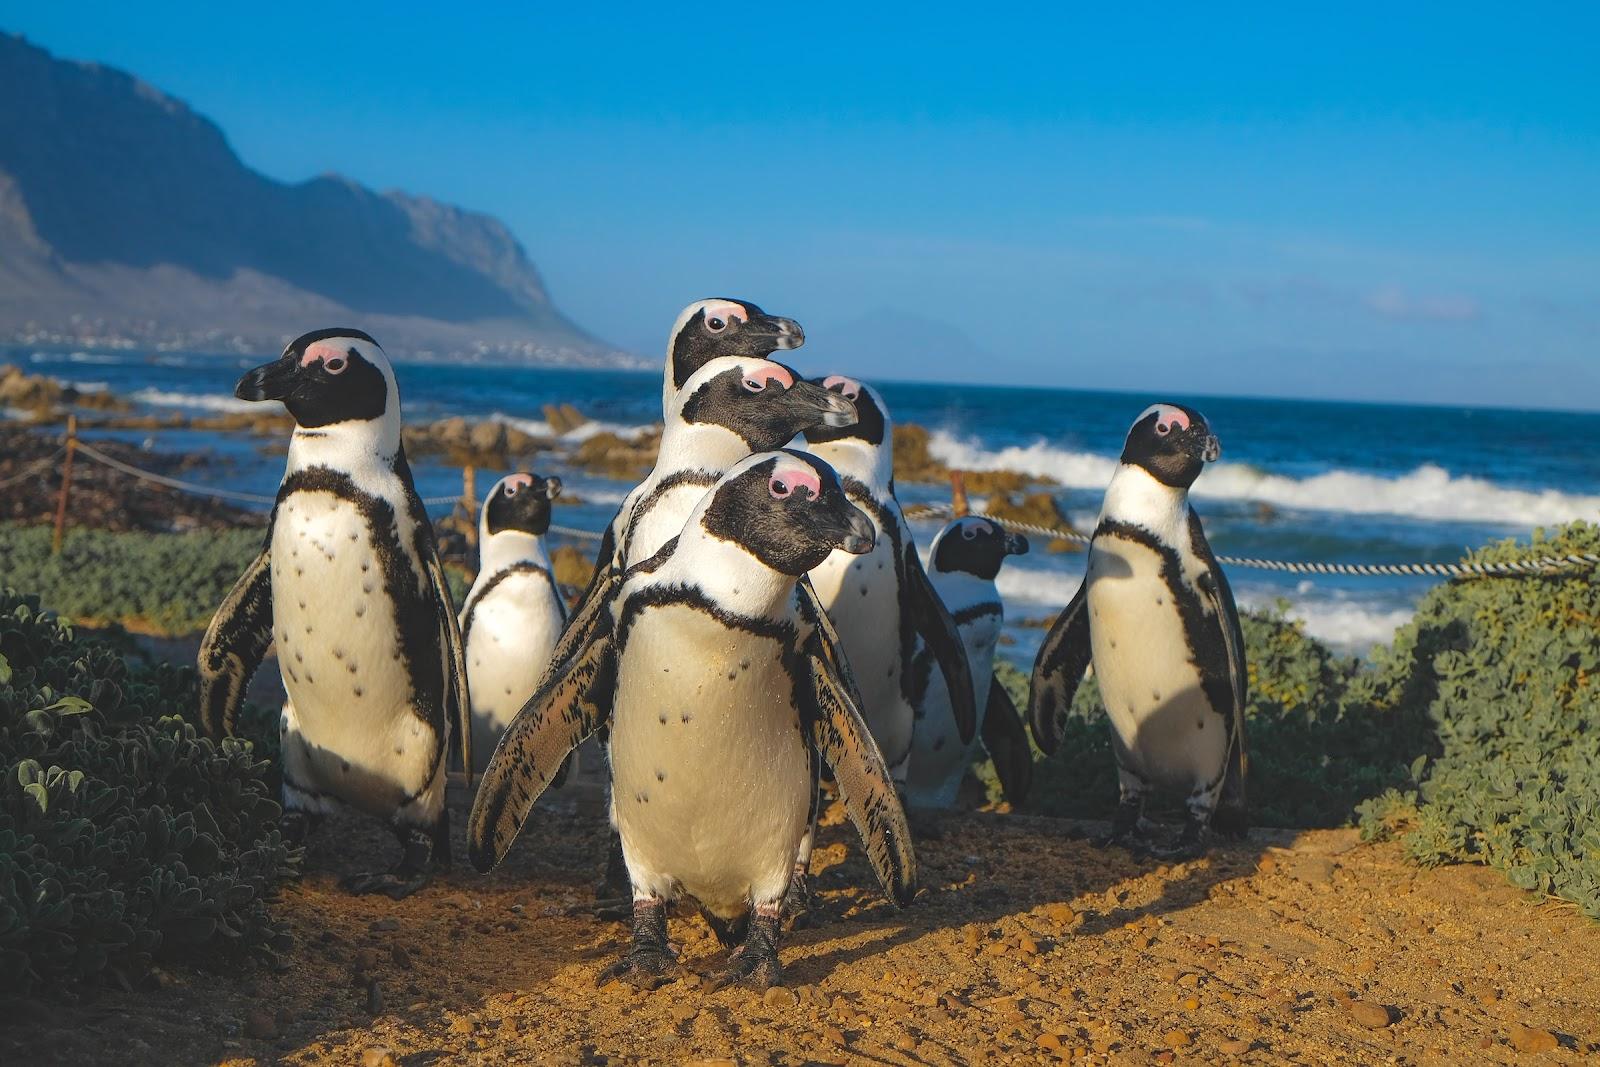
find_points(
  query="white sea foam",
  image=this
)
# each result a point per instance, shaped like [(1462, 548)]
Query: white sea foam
[(1348, 625), (201, 401), (77, 357), (1428, 492)]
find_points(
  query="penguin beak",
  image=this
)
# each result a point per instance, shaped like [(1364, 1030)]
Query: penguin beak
[(783, 333), (860, 536), (1016, 545), (271, 381), (830, 408), (1212, 450), (552, 487)]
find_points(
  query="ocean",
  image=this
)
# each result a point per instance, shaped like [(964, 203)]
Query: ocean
[(1298, 480)]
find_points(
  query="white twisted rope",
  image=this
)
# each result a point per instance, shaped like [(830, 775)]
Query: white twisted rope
[(1534, 565), (232, 494), (37, 467)]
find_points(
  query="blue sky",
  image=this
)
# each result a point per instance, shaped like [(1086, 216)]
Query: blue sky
[(1391, 202)]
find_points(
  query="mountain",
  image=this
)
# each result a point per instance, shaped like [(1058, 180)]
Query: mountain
[(124, 214)]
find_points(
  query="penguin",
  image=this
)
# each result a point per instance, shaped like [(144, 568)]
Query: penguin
[(882, 602), (963, 561), (722, 684), (1156, 618), (514, 613), (350, 587), (720, 326), (729, 408)]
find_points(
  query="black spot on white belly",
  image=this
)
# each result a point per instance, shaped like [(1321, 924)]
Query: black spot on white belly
[(687, 716), (663, 718), (661, 776), (938, 743), (863, 590), (1199, 724)]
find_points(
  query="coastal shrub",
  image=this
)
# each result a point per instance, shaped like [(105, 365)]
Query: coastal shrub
[(1313, 756), (1507, 670), (124, 836), (160, 583)]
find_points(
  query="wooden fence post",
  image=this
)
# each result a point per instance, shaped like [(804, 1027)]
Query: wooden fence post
[(66, 486), (958, 495), (469, 502)]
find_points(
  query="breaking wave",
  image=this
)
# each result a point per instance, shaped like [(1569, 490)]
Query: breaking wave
[(199, 401), (1428, 492)]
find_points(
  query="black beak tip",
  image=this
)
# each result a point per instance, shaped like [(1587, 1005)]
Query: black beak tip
[(790, 335), (1016, 544), (250, 387), (552, 487), (857, 545), (839, 411)]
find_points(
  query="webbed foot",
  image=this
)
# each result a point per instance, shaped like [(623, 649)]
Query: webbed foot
[(755, 963), (649, 962)]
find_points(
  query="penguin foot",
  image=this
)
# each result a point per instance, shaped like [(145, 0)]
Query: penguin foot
[(396, 884), (1194, 842), (755, 963), (644, 968), (649, 962), (798, 901), (298, 826), (1125, 828), (925, 825)]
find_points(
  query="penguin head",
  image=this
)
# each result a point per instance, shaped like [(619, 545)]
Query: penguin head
[(872, 426), (788, 510), (976, 546), (707, 329), (763, 402), (520, 502), (1172, 443), (326, 377)]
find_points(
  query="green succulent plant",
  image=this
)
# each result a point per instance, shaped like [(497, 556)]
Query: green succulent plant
[(125, 837)]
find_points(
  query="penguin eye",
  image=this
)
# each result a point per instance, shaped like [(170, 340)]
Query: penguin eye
[(335, 365), (509, 491), (755, 385), (780, 489), (1163, 429), (715, 325), (969, 532)]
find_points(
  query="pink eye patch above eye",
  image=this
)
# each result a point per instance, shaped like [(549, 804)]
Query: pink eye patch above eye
[(519, 481), (761, 377), (849, 387), (786, 480), (727, 312), (325, 352), (1168, 418)]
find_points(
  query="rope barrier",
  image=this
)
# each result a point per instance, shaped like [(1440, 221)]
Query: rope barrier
[(37, 467), (1536, 565), (171, 483), (231, 494)]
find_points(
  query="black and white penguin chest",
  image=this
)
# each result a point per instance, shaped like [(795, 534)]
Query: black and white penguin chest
[(511, 622), (657, 510), (1147, 620), (711, 773), (864, 598), (357, 637), (939, 757)]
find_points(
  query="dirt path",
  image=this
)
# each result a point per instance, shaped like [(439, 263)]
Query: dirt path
[(1026, 946)]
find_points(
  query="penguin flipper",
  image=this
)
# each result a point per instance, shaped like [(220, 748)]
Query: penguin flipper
[(555, 720), (1058, 671), (840, 736), (1232, 816), (581, 626), (458, 704), (938, 631), (234, 645), (1007, 742)]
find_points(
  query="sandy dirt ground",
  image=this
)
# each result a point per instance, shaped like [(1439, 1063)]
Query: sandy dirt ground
[(1027, 945)]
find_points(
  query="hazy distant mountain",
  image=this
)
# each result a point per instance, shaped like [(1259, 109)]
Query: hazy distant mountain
[(124, 213), (891, 344)]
